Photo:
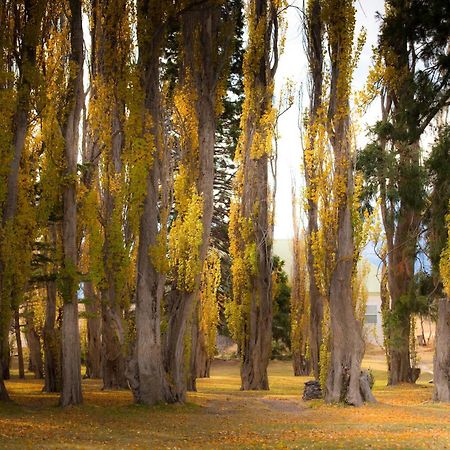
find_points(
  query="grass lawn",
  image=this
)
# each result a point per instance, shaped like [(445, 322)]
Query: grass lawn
[(221, 416)]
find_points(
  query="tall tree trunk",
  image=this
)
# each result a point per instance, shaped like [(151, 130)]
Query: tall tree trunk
[(29, 33), (347, 345), (314, 37), (52, 342), (71, 352), (441, 378), (94, 332), (200, 31), (253, 289), (19, 343), (145, 371)]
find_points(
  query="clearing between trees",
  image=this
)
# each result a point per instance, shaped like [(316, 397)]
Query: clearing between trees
[(219, 415)]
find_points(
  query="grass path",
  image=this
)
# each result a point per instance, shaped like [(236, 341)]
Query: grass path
[(221, 416)]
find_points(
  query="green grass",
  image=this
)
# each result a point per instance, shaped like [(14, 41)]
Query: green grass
[(219, 415)]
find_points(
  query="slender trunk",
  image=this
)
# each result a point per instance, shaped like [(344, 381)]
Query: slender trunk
[(202, 359), (400, 280), (71, 352), (6, 357), (192, 351), (314, 38), (52, 342), (34, 346), (94, 341), (19, 344), (441, 379)]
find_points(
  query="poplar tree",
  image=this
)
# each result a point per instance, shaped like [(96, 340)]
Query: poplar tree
[(250, 313), (70, 122), (313, 167), (20, 25), (343, 382)]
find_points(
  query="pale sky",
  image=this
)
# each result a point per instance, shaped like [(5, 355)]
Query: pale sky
[(293, 66)]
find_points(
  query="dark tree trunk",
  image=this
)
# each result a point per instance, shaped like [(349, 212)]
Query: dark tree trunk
[(192, 351), (6, 357), (19, 344), (257, 336), (94, 332), (52, 341), (301, 365), (113, 346), (34, 346), (441, 378), (401, 260), (70, 335)]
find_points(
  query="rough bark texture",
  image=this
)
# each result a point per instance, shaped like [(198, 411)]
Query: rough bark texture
[(27, 28), (94, 334), (200, 30), (257, 342), (145, 371), (314, 38), (71, 353), (19, 344), (52, 342), (441, 378), (347, 345)]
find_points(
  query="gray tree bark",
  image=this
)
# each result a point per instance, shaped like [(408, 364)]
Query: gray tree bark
[(441, 377), (145, 371), (94, 341), (347, 345), (34, 346), (19, 344), (257, 345), (314, 31), (52, 341), (71, 352)]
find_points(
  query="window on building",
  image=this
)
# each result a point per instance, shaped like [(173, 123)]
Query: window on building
[(371, 316)]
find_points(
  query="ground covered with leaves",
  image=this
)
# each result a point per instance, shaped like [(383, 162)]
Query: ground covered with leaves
[(221, 416)]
